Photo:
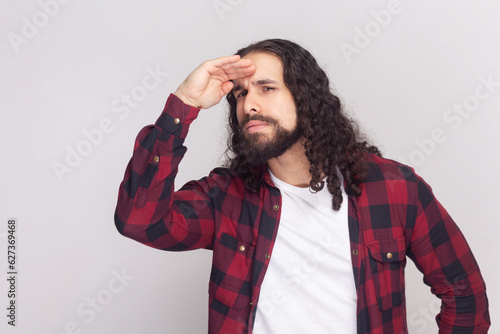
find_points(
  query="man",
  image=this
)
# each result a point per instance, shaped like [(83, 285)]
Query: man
[(309, 226)]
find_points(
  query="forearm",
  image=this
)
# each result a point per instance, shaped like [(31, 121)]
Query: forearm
[(441, 252), (464, 303), (144, 210)]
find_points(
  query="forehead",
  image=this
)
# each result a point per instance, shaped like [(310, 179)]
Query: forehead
[(267, 66)]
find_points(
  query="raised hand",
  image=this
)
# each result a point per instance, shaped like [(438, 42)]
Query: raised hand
[(210, 81)]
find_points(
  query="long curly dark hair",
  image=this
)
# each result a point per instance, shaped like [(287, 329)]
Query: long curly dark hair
[(332, 139)]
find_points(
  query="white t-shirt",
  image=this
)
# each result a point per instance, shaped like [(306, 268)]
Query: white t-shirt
[(309, 284)]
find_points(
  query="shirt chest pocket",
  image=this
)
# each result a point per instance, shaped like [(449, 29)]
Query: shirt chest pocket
[(387, 261), (230, 279)]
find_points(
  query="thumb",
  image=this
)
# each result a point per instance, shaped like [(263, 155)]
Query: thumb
[(226, 87)]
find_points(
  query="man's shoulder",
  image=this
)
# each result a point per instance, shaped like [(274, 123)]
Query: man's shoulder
[(224, 173), (219, 177), (384, 169)]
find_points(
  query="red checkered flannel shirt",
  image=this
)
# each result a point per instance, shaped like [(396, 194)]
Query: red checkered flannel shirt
[(395, 217)]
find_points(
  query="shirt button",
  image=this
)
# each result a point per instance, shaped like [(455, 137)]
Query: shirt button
[(156, 158), (389, 255), (276, 206), (242, 248), (251, 303), (176, 120), (267, 256), (355, 252)]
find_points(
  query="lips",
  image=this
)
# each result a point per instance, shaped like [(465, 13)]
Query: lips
[(253, 126)]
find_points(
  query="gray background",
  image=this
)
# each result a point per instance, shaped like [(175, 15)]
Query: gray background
[(69, 74)]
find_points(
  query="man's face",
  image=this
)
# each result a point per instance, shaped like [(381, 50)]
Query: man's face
[(265, 110)]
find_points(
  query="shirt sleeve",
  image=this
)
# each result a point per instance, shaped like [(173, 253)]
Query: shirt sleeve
[(148, 209), (441, 252)]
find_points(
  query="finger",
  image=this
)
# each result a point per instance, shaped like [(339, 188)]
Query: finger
[(240, 72), (221, 61), (227, 87), (228, 65), (242, 63)]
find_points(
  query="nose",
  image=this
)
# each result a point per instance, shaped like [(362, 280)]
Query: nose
[(251, 103)]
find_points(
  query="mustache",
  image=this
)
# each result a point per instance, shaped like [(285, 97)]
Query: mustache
[(256, 117)]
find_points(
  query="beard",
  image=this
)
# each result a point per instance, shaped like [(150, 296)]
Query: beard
[(257, 149)]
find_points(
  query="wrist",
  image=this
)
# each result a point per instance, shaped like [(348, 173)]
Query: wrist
[(185, 100)]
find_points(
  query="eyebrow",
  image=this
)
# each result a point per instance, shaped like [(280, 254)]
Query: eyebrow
[(259, 82)]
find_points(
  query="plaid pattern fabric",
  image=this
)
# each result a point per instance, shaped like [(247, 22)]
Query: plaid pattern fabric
[(396, 217)]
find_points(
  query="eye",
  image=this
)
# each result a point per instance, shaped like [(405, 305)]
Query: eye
[(243, 93), (268, 89)]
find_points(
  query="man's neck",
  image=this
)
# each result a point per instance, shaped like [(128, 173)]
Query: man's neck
[(292, 166)]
